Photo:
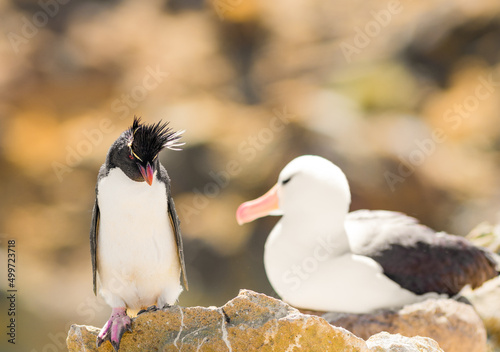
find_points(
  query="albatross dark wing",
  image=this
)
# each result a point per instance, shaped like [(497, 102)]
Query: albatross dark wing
[(416, 257)]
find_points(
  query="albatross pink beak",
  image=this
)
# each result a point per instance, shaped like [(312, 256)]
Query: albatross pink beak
[(257, 208)]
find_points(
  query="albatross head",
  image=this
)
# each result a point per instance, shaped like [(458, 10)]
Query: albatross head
[(309, 186)]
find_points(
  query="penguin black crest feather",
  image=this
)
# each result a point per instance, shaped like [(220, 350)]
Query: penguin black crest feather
[(146, 141)]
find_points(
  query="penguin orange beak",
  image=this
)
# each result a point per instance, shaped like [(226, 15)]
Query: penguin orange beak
[(147, 173), (257, 208)]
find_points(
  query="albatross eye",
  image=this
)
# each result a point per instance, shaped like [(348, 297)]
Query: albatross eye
[(284, 182)]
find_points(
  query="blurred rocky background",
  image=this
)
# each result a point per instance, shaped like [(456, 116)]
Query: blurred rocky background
[(404, 96)]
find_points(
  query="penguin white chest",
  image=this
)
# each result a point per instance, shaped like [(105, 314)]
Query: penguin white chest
[(138, 262)]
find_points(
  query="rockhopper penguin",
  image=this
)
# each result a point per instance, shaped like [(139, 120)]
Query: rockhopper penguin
[(135, 240)]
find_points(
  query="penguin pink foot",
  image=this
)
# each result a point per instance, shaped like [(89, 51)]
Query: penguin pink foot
[(115, 327)]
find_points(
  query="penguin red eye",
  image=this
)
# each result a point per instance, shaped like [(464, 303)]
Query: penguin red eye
[(131, 157)]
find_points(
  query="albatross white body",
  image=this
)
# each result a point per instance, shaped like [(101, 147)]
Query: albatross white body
[(318, 275), (138, 265)]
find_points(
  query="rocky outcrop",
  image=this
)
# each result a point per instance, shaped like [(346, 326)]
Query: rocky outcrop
[(455, 326), (249, 322)]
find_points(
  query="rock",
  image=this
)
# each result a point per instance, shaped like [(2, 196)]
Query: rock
[(486, 303), (486, 235), (454, 325), (249, 322), (385, 342), (485, 298)]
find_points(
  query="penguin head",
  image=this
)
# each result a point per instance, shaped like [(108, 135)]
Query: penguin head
[(136, 151)]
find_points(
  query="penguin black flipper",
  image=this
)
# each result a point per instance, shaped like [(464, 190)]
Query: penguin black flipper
[(94, 230), (175, 223)]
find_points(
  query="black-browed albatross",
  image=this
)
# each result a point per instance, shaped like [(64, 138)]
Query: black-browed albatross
[(320, 257)]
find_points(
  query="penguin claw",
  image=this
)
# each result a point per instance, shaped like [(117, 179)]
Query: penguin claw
[(115, 327), (149, 309)]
